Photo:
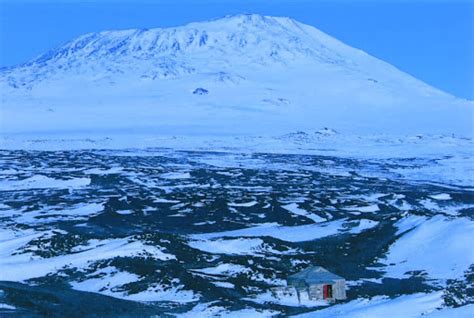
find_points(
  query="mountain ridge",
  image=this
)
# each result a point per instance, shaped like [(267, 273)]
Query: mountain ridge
[(193, 30)]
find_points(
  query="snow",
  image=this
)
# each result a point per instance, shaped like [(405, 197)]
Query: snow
[(240, 246), (364, 209), (224, 284), (176, 175), (89, 209), (6, 306), (363, 224), (439, 246), (12, 240), (287, 300), (78, 212), (406, 306), (225, 269), (105, 281), (458, 312), (43, 182), (243, 204), (441, 196), (161, 200), (18, 267), (157, 292), (204, 310), (124, 212), (293, 208), (409, 222), (98, 171), (299, 233)]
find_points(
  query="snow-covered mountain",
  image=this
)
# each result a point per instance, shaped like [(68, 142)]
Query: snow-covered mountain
[(244, 74)]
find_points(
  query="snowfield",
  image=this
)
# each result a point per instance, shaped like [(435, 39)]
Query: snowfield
[(419, 249), (417, 305)]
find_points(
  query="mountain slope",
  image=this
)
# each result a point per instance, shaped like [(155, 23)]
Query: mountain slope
[(244, 74)]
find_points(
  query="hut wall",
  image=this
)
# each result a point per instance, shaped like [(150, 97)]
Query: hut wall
[(315, 291), (339, 289), (304, 295)]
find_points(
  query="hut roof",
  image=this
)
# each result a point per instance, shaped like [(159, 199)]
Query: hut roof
[(314, 275)]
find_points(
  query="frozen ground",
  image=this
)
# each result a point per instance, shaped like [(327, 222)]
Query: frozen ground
[(431, 158), (194, 233)]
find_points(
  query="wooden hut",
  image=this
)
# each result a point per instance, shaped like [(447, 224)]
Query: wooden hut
[(317, 283)]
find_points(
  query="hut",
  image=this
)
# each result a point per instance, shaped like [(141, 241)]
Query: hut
[(317, 283)]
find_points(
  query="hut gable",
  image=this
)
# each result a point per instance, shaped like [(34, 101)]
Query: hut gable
[(317, 283)]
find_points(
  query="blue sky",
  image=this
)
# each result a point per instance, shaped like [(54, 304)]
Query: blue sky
[(431, 40)]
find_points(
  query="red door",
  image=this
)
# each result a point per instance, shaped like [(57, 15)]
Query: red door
[(327, 291)]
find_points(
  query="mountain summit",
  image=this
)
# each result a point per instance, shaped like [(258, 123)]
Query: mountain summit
[(242, 74)]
